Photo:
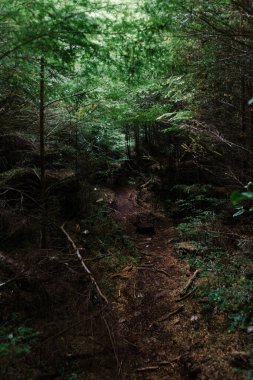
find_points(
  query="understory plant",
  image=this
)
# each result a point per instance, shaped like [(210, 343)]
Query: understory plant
[(223, 253)]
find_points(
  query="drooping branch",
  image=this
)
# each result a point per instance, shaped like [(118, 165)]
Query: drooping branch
[(79, 93)]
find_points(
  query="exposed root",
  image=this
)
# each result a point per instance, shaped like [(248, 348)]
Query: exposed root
[(189, 283), (186, 295), (153, 270), (178, 310)]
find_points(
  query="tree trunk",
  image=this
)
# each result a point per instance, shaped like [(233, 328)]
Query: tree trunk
[(137, 140), (42, 154), (243, 105), (127, 138)]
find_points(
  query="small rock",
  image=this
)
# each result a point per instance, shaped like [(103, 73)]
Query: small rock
[(250, 329)]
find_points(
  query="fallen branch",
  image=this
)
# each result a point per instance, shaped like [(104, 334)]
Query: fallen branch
[(153, 270), (144, 369), (155, 367), (186, 295), (163, 272), (18, 276), (147, 183), (145, 268), (178, 310), (77, 251), (189, 283), (113, 343)]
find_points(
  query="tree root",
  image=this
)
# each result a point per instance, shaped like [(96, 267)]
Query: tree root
[(189, 283), (178, 310)]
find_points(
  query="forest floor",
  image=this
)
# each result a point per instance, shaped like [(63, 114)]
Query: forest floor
[(159, 319), (153, 328)]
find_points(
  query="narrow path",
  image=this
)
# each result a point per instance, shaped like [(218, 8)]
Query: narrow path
[(149, 314), (161, 333)]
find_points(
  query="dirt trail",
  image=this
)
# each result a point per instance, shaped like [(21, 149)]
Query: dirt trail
[(163, 337), (147, 294)]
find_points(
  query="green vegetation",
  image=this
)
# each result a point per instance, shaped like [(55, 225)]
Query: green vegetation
[(223, 254), (98, 93), (17, 341)]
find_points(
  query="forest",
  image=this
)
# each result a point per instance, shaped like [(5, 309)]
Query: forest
[(126, 189)]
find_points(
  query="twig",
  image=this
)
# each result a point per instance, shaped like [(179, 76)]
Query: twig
[(144, 369), (186, 295), (180, 308), (11, 280), (69, 96), (114, 345), (77, 251), (153, 270), (162, 271), (189, 283), (147, 183), (148, 266)]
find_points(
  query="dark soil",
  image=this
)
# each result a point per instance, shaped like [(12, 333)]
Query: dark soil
[(150, 329), (164, 338)]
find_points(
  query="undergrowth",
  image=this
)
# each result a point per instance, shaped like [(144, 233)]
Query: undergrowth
[(193, 200), (17, 340), (105, 249), (222, 250)]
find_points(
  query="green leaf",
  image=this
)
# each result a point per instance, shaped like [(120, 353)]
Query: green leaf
[(239, 212), (236, 197), (4, 348), (248, 195)]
